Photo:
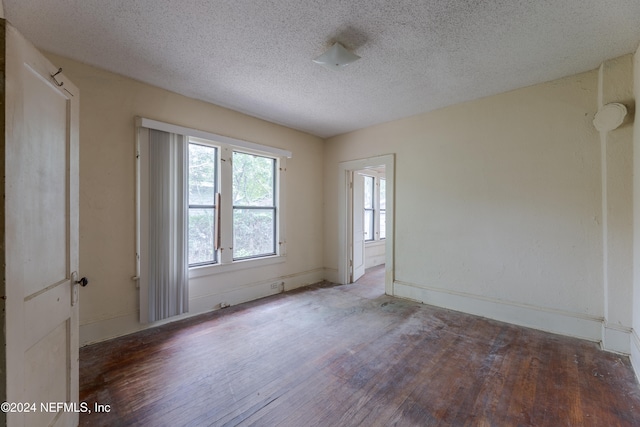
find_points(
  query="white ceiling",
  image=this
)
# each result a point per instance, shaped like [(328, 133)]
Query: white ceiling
[(255, 56)]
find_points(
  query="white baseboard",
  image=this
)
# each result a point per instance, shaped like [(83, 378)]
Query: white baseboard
[(113, 327), (299, 280), (635, 353), (616, 339), (331, 275), (374, 261), (549, 320), (102, 330)]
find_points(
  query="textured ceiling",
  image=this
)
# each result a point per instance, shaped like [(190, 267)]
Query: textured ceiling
[(256, 56)]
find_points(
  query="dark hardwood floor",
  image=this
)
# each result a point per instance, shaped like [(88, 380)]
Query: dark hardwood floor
[(330, 355)]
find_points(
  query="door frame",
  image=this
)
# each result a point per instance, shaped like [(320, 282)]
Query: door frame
[(356, 190), (345, 170)]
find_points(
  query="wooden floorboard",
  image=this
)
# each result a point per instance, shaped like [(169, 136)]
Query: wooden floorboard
[(330, 355)]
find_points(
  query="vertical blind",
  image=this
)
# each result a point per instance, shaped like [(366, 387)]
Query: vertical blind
[(168, 290)]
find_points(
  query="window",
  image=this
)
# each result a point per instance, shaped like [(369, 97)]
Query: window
[(202, 200), (382, 208), (375, 188), (203, 172), (369, 210), (248, 191), (254, 205)]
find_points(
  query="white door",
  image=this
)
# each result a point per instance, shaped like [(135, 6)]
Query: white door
[(41, 237), (358, 227)]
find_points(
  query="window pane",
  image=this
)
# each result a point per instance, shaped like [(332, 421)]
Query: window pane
[(253, 232), (253, 180), (368, 225), (368, 192), (201, 236), (202, 174), (383, 193), (383, 224)]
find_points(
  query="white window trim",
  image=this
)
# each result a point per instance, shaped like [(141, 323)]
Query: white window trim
[(242, 264), (226, 146), (239, 143), (373, 207), (379, 209)]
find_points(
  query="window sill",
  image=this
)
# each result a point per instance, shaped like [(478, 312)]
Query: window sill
[(210, 270)]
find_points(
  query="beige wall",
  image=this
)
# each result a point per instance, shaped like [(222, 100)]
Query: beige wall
[(511, 206), (108, 105), (616, 85), (498, 205), (635, 335)]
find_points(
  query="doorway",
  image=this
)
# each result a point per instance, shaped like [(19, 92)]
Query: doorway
[(368, 221), (346, 215)]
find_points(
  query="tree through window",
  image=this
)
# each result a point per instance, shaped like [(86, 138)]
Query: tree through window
[(248, 217), (203, 165), (254, 205)]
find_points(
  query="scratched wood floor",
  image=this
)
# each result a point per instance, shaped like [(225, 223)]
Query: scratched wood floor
[(331, 355)]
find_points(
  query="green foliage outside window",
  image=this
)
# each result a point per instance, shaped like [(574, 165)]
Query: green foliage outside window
[(254, 210), (202, 190)]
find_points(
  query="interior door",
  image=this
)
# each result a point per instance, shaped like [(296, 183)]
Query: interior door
[(358, 227), (40, 148)]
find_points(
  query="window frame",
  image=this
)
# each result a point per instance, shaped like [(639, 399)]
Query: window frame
[(372, 209), (381, 210), (214, 206), (377, 177), (225, 254), (273, 207), (225, 146)]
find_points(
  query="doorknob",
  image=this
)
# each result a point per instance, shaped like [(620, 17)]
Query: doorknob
[(83, 282)]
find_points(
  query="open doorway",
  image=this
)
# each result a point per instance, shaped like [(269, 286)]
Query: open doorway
[(371, 284), (352, 242), (368, 220)]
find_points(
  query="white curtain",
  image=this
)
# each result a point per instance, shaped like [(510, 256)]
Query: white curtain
[(168, 209)]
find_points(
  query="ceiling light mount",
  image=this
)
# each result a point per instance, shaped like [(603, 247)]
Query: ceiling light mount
[(336, 57)]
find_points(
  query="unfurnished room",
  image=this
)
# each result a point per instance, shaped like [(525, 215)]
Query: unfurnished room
[(304, 213)]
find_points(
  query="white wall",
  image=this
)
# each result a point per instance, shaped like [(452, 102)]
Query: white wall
[(108, 106), (499, 206), (374, 253)]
